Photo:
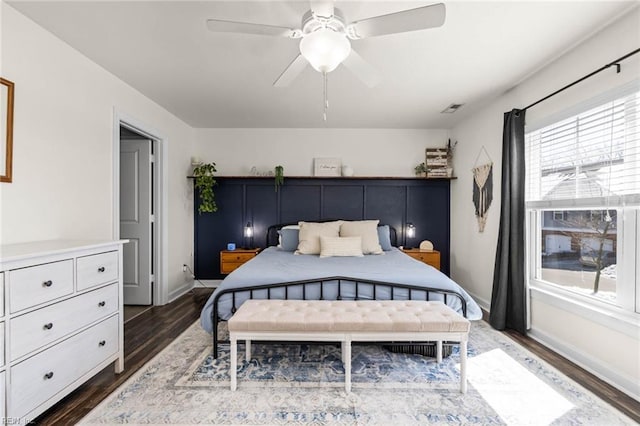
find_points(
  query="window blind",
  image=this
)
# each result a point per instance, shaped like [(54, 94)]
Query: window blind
[(590, 158)]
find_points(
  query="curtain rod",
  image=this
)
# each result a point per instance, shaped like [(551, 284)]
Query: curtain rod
[(609, 65)]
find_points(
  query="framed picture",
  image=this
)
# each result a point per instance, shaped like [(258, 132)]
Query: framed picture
[(6, 129), (327, 167)]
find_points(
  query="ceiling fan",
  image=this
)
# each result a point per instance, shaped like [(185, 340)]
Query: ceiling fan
[(325, 37)]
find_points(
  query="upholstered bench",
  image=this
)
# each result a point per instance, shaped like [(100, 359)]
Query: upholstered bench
[(346, 322)]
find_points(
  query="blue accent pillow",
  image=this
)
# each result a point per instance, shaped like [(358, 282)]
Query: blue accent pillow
[(289, 239), (384, 236)]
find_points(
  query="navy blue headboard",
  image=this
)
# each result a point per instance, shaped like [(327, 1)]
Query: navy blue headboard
[(394, 201)]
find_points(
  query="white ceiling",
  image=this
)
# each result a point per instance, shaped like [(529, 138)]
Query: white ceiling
[(163, 49)]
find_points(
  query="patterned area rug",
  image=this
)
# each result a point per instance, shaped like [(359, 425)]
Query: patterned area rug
[(303, 384)]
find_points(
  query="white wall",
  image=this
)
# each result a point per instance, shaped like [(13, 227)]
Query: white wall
[(62, 173), (473, 253), (370, 152)]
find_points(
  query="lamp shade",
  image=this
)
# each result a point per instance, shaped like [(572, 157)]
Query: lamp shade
[(248, 230), (325, 49), (411, 230)]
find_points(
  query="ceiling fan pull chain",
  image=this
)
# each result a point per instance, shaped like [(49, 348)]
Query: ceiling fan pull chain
[(326, 100)]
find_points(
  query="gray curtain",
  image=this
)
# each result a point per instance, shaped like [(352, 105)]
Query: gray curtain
[(508, 299)]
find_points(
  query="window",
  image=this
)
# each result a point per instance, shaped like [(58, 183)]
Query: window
[(583, 198)]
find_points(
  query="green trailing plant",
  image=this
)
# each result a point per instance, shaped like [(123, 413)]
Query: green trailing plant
[(420, 169), (279, 176), (205, 182)]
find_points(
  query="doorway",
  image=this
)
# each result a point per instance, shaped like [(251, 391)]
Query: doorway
[(139, 210)]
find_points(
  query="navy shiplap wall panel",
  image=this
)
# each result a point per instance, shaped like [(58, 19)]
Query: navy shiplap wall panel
[(303, 200), (427, 210), (213, 230), (396, 202), (261, 209), (387, 203), (343, 202)]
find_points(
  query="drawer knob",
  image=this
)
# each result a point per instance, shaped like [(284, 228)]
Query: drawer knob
[(101, 269), (48, 375), (101, 304), (47, 283), (102, 343), (48, 326)]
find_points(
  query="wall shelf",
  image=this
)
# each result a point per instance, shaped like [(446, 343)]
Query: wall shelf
[(335, 177)]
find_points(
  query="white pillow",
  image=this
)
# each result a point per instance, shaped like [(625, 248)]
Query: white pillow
[(367, 230), (340, 246), (310, 233)]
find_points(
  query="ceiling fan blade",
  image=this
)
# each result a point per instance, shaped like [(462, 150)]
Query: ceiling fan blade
[(219, 26), (322, 8), (362, 69), (400, 22), (291, 72)]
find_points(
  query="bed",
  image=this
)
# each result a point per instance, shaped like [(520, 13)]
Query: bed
[(279, 274)]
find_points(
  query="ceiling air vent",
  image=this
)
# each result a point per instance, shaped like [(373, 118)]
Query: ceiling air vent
[(451, 109)]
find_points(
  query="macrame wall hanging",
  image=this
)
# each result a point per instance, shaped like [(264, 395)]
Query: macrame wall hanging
[(482, 188)]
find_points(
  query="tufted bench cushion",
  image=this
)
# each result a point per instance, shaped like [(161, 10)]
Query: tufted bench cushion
[(338, 315), (346, 322)]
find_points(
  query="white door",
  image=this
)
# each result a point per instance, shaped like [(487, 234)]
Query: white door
[(136, 219)]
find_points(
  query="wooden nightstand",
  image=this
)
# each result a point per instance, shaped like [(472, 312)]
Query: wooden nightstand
[(429, 257), (233, 259)]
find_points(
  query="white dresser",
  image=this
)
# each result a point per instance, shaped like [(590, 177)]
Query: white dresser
[(60, 320)]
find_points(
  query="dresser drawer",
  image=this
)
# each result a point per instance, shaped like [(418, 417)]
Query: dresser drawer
[(38, 328), (2, 360), (40, 377), (97, 269), (429, 257), (236, 257), (230, 260), (228, 267), (3, 414), (38, 284), (1, 294)]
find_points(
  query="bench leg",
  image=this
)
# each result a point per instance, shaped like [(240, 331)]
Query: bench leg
[(463, 366), (247, 345), (439, 351), (234, 362), (346, 359)]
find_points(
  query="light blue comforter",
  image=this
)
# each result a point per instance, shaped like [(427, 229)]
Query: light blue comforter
[(276, 266)]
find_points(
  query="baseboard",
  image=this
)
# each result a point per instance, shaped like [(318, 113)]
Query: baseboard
[(207, 283), (189, 285), (484, 304), (592, 365), (180, 291)]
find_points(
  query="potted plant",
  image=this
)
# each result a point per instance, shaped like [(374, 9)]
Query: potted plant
[(421, 170), (279, 176), (205, 182)]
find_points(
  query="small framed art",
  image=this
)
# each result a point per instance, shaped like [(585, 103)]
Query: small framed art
[(327, 167)]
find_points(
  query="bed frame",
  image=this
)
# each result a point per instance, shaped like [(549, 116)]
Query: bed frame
[(359, 285)]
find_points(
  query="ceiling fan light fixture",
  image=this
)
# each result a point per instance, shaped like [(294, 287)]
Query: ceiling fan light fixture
[(325, 49)]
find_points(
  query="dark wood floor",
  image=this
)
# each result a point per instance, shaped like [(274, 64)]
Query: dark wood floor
[(147, 334)]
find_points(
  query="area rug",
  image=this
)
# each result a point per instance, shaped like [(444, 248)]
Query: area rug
[(304, 384)]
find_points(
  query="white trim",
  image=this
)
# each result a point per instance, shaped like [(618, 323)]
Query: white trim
[(207, 284), (483, 303), (609, 316), (178, 292), (591, 364), (161, 196), (190, 285), (599, 203)]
